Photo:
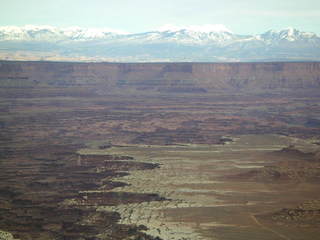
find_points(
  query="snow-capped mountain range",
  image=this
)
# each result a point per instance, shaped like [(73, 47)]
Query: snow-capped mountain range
[(168, 43), (54, 34)]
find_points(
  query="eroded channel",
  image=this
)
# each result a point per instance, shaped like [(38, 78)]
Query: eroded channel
[(200, 203)]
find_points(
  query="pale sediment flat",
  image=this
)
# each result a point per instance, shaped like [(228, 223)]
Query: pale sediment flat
[(196, 201), (6, 236)]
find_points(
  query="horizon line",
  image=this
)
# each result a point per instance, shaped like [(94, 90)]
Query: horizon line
[(163, 28)]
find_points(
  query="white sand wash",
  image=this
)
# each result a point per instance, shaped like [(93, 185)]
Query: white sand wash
[(180, 168)]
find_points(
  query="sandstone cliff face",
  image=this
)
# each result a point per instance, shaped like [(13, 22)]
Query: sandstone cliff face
[(167, 75), (259, 75)]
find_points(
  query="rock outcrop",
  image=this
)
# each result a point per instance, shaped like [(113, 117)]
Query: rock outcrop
[(168, 77)]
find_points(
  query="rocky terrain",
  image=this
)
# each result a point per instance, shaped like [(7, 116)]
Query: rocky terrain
[(201, 199), (291, 165), (163, 77), (123, 151), (306, 214), (43, 195)]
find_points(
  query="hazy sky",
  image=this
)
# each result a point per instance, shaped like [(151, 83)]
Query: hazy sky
[(240, 16)]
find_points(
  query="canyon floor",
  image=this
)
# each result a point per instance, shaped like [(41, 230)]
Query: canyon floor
[(202, 203), (82, 163)]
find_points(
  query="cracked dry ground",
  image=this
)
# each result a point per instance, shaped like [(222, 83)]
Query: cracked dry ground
[(174, 187), (201, 202)]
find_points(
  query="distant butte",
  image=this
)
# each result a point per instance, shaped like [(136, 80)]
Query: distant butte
[(167, 77)]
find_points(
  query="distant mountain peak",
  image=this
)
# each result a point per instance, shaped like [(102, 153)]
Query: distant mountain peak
[(288, 30), (168, 43), (206, 28), (290, 34), (51, 33)]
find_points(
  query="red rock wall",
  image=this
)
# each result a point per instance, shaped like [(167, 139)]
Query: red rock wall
[(205, 75)]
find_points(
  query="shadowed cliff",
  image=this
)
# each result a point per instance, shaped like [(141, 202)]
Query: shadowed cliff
[(168, 77)]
